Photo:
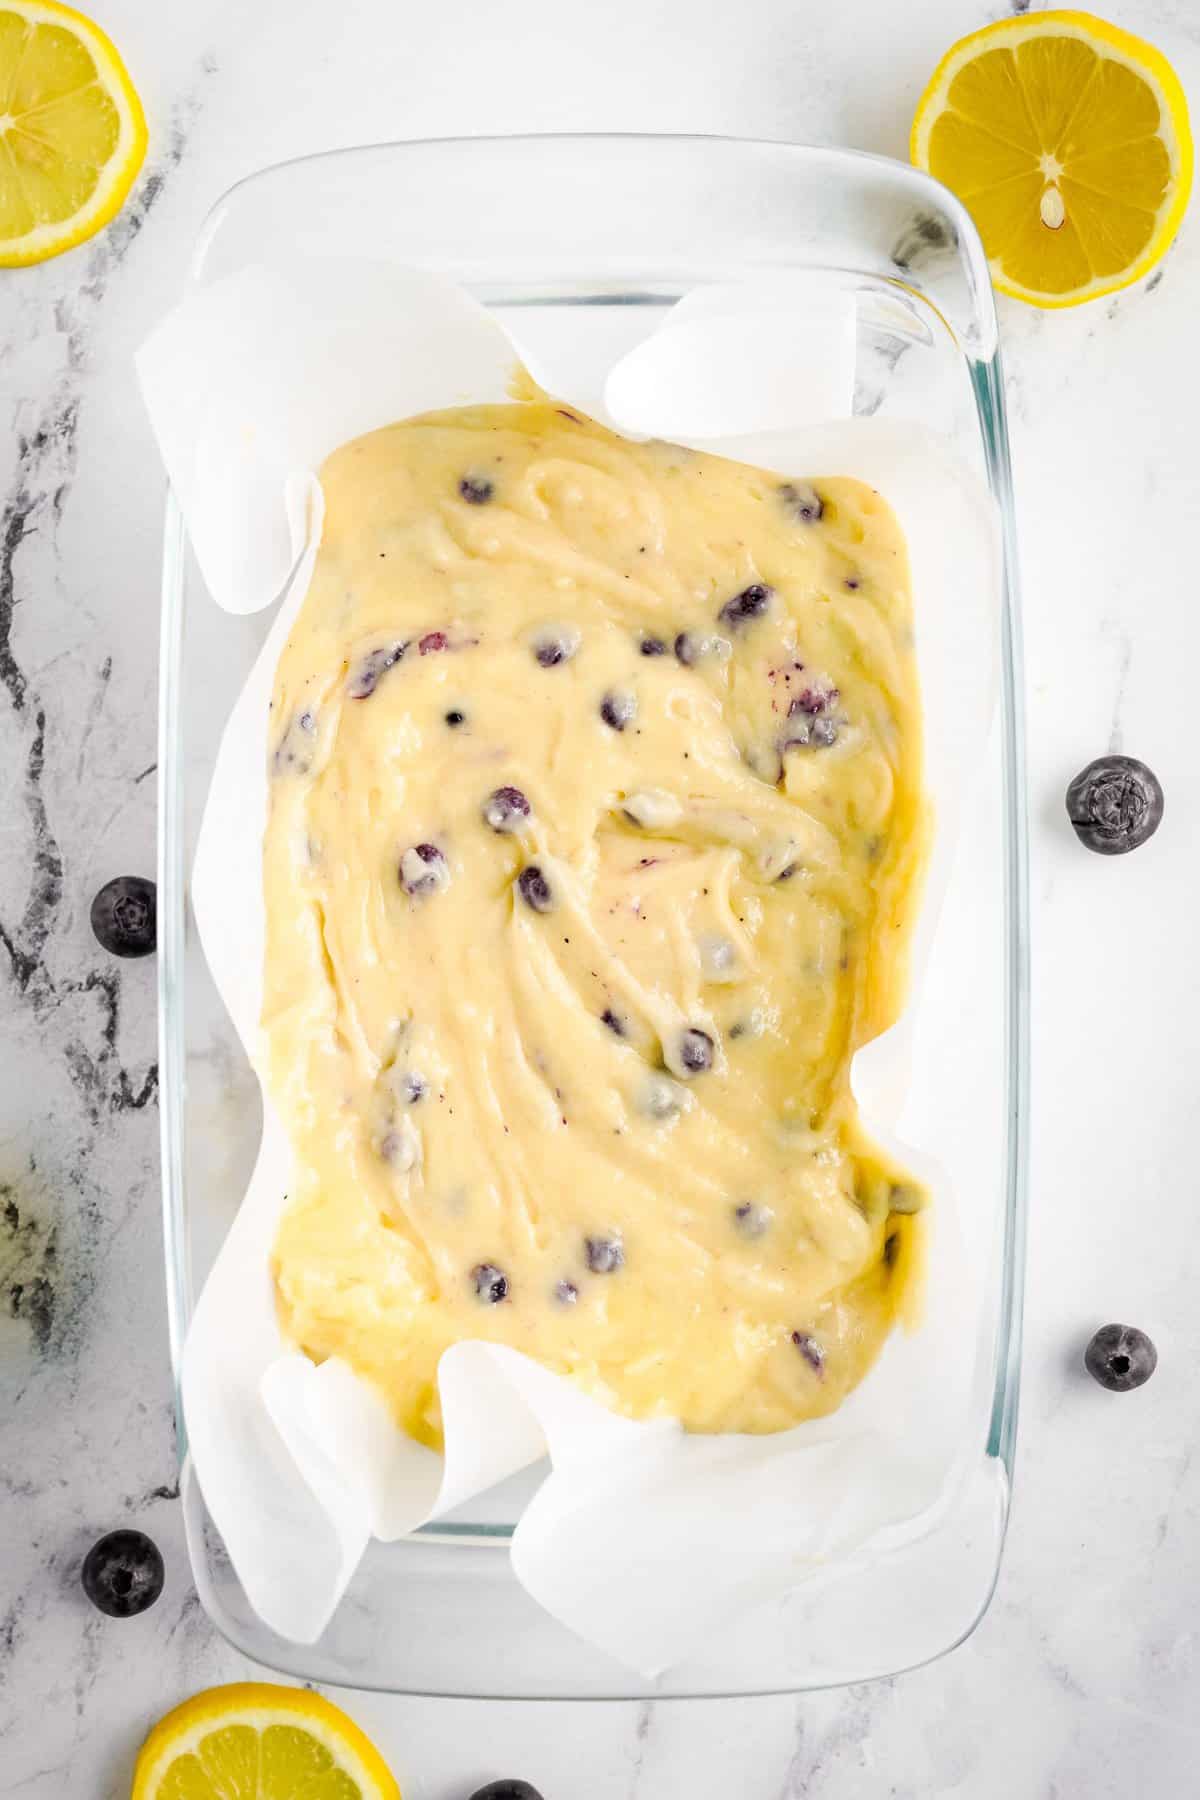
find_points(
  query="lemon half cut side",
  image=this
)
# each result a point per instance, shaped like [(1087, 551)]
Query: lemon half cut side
[(72, 130), (254, 1740), (1067, 139)]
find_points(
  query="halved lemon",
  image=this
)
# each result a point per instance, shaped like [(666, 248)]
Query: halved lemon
[(253, 1740), (72, 130), (1067, 140)]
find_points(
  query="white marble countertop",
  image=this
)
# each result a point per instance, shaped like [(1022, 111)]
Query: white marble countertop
[(1081, 1682)]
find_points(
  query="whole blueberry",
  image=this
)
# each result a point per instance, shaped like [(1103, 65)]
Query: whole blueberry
[(491, 1283), (123, 1573), (618, 709), (554, 645), (751, 603), (1120, 1358), (424, 870), (476, 490), (535, 890), (455, 718), (605, 1255), (123, 916), (506, 809), (1115, 804), (801, 500), (653, 646), (506, 1790), (694, 1054)]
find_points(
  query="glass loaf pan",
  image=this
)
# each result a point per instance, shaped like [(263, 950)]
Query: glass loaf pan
[(603, 222)]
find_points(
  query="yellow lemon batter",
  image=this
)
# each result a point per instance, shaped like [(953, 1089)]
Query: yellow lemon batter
[(594, 828)]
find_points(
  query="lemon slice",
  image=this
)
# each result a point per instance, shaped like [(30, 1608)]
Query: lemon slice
[(1067, 139), (72, 130), (255, 1741)]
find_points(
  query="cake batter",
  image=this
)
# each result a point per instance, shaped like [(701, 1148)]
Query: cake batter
[(594, 830)]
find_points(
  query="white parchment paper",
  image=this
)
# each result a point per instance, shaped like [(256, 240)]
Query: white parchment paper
[(250, 384)]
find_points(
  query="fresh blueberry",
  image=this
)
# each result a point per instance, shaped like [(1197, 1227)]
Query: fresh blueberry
[(506, 809), (810, 1350), (536, 891), (614, 1022), (693, 1053), (476, 490), (123, 1574), (618, 709), (605, 1255), (424, 870), (1120, 1358), (752, 1221), (1115, 804), (455, 718), (511, 1789), (801, 500), (491, 1283), (566, 1293), (556, 644), (751, 603), (653, 646), (124, 915), (373, 667)]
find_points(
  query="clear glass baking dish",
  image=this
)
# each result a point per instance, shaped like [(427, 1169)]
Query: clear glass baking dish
[(595, 221)]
